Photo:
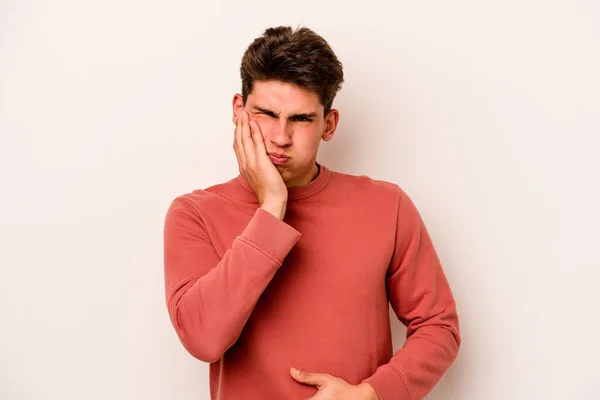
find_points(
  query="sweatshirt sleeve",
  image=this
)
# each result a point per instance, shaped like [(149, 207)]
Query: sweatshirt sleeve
[(422, 300), (209, 299)]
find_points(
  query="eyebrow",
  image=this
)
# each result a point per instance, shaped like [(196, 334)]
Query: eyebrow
[(273, 114)]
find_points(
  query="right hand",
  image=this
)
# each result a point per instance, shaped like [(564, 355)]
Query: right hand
[(255, 165)]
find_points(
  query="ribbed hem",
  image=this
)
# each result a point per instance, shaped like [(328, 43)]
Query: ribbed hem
[(270, 235), (389, 384)]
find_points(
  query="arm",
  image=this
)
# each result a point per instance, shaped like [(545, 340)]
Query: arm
[(209, 300), (421, 298)]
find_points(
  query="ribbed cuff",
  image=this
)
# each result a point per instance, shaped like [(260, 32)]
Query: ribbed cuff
[(270, 234), (389, 384)]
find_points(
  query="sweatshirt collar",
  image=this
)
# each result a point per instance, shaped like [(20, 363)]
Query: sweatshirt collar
[(296, 192)]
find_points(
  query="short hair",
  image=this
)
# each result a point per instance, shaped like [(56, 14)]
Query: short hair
[(299, 57)]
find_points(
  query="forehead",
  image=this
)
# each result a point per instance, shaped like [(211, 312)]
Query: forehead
[(284, 97)]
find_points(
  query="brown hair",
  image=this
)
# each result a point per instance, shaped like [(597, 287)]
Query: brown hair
[(299, 57)]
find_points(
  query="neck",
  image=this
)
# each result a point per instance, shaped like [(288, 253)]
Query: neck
[(310, 177)]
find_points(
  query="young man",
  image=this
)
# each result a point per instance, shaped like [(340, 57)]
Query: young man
[(291, 265)]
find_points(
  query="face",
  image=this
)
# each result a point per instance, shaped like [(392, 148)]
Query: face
[(292, 123)]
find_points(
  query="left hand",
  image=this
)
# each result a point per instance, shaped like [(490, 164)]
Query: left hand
[(333, 388)]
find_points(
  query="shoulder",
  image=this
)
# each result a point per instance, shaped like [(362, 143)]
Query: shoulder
[(368, 185), (198, 199)]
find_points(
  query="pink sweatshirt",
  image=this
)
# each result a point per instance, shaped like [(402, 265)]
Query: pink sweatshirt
[(254, 296)]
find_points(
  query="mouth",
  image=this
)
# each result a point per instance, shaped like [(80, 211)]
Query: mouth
[(278, 159)]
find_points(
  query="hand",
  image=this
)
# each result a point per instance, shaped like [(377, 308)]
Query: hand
[(334, 388), (254, 163)]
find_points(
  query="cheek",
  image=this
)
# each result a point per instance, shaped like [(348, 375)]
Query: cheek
[(314, 133), (264, 124), (307, 139)]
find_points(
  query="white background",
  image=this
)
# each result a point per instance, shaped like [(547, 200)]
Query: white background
[(486, 113)]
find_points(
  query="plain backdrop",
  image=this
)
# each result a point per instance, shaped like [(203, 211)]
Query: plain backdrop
[(486, 112)]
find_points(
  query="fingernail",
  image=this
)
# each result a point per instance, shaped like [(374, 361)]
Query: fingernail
[(295, 371)]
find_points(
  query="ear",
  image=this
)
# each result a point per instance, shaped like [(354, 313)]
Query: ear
[(331, 122), (237, 104)]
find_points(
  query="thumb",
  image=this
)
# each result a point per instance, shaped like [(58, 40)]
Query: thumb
[(309, 378)]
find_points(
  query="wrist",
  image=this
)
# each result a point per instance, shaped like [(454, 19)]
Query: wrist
[(368, 392), (274, 200), (275, 208)]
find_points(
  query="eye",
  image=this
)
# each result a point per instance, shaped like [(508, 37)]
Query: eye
[(302, 119), (259, 113)]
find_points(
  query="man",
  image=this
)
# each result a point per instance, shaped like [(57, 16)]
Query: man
[(291, 265)]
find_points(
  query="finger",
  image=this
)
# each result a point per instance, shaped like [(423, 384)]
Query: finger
[(310, 378), (237, 142), (235, 145), (247, 141), (258, 139)]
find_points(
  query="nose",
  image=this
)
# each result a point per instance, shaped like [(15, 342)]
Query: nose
[(280, 133)]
